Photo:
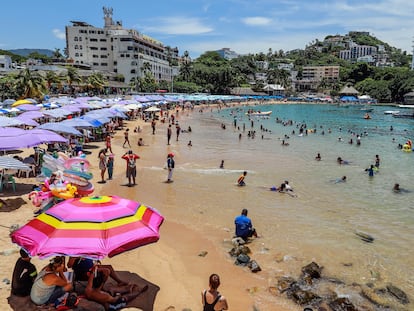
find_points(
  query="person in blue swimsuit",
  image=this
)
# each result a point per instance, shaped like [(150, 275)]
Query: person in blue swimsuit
[(211, 299)]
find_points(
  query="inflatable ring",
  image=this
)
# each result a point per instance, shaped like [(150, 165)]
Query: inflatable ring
[(86, 190), (406, 148), (75, 179), (77, 163), (68, 193), (83, 175)]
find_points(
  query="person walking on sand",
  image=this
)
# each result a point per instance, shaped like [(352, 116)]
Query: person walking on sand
[(169, 133), (240, 181), (102, 165), (126, 138), (153, 126), (211, 299), (177, 130), (131, 169), (110, 165), (108, 143), (170, 166)]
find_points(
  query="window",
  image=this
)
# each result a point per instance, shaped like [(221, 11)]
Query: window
[(115, 63), (76, 54), (95, 64), (75, 39), (95, 56), (102, 40), (104, 64), (93, 40), (76, 47), (133, 71), (104, 56), (94, 48), (80, 47), (103, 49)]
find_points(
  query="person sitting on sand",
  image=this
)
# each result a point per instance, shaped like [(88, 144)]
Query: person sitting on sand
[(240, 181), (116, 297), (51, 283), (24, 274), (244, 227), (211, 298)]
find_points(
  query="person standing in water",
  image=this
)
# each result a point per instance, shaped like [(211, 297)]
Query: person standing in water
[(170, 166), (240, 181)]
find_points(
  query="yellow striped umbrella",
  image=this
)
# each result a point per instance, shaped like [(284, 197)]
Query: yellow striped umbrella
[(93, 227)]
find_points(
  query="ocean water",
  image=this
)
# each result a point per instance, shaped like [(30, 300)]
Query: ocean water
[(320, 223)]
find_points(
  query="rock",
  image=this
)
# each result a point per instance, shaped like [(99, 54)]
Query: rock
[(242, 249), (372, 296), (238, 241), (342, 304), (254, 266), (313, 270), (203, 253), (272, 290), (304, 297), (284, 283), (365, 236), (398, 293), (242, 260)]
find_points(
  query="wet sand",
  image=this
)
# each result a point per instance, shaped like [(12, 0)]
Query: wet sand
[(173, 263)]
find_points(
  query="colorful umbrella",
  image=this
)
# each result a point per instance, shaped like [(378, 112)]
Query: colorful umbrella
[(92, 227), (21, 102)]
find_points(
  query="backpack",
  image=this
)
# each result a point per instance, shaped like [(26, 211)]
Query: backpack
[(131, 162)]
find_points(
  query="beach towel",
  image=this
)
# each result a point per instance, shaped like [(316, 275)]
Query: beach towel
[(145, 301)]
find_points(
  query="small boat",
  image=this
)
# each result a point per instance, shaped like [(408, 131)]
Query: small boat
[(259, 113), (404, 115), (367, 109), (391, 111)]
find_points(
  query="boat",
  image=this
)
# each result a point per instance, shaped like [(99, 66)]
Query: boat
[(406, 106), (259, 113), (404, 115), (367, 109), (391, 111)]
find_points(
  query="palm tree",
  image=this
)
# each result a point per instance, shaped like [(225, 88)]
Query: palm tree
[(97, 81), (30, 84), (72, 77), (52, 78)]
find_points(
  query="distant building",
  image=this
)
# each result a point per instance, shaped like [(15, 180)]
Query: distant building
[(5, 63), (355, 51), (118, 50), (226, 53), (312, 76)]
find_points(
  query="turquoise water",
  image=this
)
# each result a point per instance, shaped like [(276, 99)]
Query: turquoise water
[(320, 223)]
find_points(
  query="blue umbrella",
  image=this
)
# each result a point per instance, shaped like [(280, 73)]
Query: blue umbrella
[(58, 127)]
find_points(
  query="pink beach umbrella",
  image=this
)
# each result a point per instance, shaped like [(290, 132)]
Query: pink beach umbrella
[(93, 227)]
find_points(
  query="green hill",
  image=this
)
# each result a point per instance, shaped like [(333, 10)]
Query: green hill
[(27, 52)]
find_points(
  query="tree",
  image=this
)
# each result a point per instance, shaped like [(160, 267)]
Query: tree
[(96, 82), (147, 83), (30, 84), (52, 79), (72, 77)]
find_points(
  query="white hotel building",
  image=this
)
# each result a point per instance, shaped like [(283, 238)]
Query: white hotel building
[(115, 49)]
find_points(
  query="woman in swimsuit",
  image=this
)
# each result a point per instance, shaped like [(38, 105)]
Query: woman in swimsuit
[(211, 299)]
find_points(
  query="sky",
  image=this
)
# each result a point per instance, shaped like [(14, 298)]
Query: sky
[(197, 26)]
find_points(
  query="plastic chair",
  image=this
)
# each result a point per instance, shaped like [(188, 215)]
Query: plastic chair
[(7, 180)]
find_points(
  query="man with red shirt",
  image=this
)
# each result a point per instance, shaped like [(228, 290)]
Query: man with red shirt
[(131, 169)]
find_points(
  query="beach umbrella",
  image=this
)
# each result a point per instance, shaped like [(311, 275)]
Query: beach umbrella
[(32, 114), (21, 102), (46, 136), (26, 120), (58, 127), (28, 107), (6, 121), (78, 123), (10, 163), (152, 109), (93, 227), (8, 102), (12, 138)]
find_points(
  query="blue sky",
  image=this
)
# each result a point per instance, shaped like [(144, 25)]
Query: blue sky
[(245, 26)]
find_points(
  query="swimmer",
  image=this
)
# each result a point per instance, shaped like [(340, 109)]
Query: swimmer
[(340, 161), (340, 180), (318, 157), (370, 171)]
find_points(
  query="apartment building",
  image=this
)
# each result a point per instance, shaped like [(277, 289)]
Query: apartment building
[(116, 49), (313, 75)]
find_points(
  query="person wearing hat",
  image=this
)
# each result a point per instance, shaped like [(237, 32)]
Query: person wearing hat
[(24, 274), (170, 166), (131, 170)]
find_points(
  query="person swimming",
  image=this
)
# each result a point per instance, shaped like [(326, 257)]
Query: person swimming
[(340, 161)]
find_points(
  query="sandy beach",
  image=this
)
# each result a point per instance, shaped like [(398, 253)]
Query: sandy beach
[(174, 262)]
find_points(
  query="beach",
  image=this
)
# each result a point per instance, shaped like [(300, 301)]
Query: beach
[(200, 206), (174, 262)]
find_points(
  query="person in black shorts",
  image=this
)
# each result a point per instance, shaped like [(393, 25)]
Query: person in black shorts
[(24, 274)]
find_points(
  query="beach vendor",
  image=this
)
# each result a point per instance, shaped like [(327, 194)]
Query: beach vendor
[(24, 274), (244, 227), (131, 169), (51, 283)]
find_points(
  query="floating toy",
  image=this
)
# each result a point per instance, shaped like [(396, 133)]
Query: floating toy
[(406, 148), (67, 193), (85, 190)]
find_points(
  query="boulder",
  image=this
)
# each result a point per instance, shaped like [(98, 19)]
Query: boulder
[(254, 266), (313, 270), (342, 304), (398, 293), (242, 260), (304, 297), (284, 283)]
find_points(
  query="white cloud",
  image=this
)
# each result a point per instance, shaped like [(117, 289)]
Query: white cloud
[(59, 34), (256, 21), (178, 26)]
